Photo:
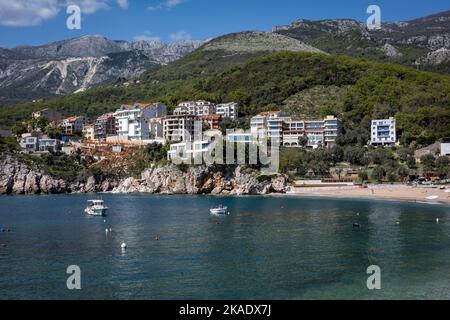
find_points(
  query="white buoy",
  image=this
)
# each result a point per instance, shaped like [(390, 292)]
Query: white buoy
[(106, 230), (437, 220), (104, 221), (124, 245), (110, 229), (398, 222)]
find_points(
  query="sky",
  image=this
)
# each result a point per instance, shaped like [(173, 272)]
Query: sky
[(34, 22)]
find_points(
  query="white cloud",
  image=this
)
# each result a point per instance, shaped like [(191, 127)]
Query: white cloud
[(89, 6), (23, 13), (27, 12), (180, 36), (123, 4), (147, 36), (167, 4)]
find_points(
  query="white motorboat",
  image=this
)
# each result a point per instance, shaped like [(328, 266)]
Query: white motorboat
[(96, 208), (219, 211)]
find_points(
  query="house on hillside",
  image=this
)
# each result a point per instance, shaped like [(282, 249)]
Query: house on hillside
[(383, 132), (132, 120), (49, 114)]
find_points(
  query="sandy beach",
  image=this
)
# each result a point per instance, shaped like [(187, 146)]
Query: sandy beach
[(382, 192)]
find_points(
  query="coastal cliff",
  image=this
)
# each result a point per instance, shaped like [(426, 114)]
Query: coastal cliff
[(203, 180), (18, 177)]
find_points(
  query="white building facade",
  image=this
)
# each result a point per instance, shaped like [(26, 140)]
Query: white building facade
[(180, 128), (195, 108), (228, 110), (132, 120), (383, 132)]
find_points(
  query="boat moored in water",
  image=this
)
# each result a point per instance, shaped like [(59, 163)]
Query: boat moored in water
[(96, 208), (219, 211)]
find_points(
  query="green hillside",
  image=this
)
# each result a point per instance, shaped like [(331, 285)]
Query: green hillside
[(356, 90)]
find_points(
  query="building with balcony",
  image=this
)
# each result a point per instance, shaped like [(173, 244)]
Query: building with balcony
[(132, 120), (383, 132), (228, 110), (269, 124), (188, 151), (318, 132), (73, 125), (105, 126), (195, 108), (333, 127), (40, 143), (181, 128)]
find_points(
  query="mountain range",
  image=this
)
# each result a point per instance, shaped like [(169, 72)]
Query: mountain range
[(423, 43), (33, 72)]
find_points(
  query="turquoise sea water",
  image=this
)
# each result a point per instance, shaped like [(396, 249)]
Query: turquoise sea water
[(268, 248)]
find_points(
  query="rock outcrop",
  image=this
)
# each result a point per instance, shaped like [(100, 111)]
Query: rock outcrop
[(202, 180), (17, 177)]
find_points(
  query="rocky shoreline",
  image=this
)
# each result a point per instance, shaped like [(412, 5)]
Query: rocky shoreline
[(17, 177)]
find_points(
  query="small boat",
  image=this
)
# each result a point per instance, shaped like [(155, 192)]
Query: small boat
[(220, 210), (96, 208)]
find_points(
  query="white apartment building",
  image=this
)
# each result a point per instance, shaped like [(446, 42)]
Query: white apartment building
[(268, 123), (39, 144), (188, 151), (195, 108), (383, 132), (228, 110), (180, 128), (258, 125), (445, 147), (132, 120)]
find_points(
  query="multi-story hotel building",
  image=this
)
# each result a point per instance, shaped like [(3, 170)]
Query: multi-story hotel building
[(132, 120), (181, 128), (383, 132), (228, 110), (275, 124), (282, 128), (195, 108), (269, 124), (258, 125), (105, 126), (318, 132)]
